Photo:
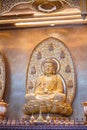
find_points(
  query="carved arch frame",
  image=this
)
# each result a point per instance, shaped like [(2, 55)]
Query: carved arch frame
[(52, 47)]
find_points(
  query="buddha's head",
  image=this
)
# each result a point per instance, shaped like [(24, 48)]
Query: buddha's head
[(50, 66)]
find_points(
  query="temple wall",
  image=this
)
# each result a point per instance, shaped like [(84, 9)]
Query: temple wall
[(17, 45)]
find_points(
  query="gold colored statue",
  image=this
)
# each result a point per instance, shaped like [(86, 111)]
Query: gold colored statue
[(48, 92)]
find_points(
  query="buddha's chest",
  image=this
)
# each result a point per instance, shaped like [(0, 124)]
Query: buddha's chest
[(49, 81)]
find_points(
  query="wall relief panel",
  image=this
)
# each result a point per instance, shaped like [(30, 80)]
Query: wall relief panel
[(51, 67)]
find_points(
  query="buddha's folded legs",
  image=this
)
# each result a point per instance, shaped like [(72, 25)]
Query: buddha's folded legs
[(52, 106), (60, 97)]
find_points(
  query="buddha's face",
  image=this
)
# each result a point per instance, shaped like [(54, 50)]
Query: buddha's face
[(48, 68)]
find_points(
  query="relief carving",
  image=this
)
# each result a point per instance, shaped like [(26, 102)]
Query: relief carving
[(33, 70), (68, 69), (51, 48), (70, 84), (50, 92), (62, 55), (30, 86), (39, 56)]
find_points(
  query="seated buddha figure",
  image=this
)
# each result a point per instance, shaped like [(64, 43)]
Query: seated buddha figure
[(48, 92), (49, 86)]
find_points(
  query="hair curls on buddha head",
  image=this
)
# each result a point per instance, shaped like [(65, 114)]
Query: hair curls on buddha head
[(55, 63)]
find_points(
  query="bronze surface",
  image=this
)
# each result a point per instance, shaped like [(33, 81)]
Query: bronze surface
[(17, 45)]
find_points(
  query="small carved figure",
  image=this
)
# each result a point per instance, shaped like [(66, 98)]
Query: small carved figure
[(33, 70), (68, 69), (51, 47), (30, 86), (62, 55), (39, 56), (70, 84)]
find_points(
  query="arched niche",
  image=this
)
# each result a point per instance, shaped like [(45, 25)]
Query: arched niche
[(52, 48)]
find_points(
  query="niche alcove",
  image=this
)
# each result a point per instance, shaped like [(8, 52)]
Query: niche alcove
[(50, 50), (23, 29)]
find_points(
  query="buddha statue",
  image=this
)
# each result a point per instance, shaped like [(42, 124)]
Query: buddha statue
[(48, 92)]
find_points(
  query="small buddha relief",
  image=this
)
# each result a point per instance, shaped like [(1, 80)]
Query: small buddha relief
[(62, 54), (68, 69), (30, 85), (70, 84), (33, 70), (50, 46), (39, 55)]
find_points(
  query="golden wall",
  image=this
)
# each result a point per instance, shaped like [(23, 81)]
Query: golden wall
[(16, 45)]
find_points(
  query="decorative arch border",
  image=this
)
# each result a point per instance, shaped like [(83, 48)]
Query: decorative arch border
[(52, 47)]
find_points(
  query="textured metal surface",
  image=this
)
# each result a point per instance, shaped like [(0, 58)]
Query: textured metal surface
[(8, 4)]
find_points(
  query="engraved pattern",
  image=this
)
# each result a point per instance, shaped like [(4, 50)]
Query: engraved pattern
[(58, 47), (30, 87), (33, 70), (2, 76), (8, 4)]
